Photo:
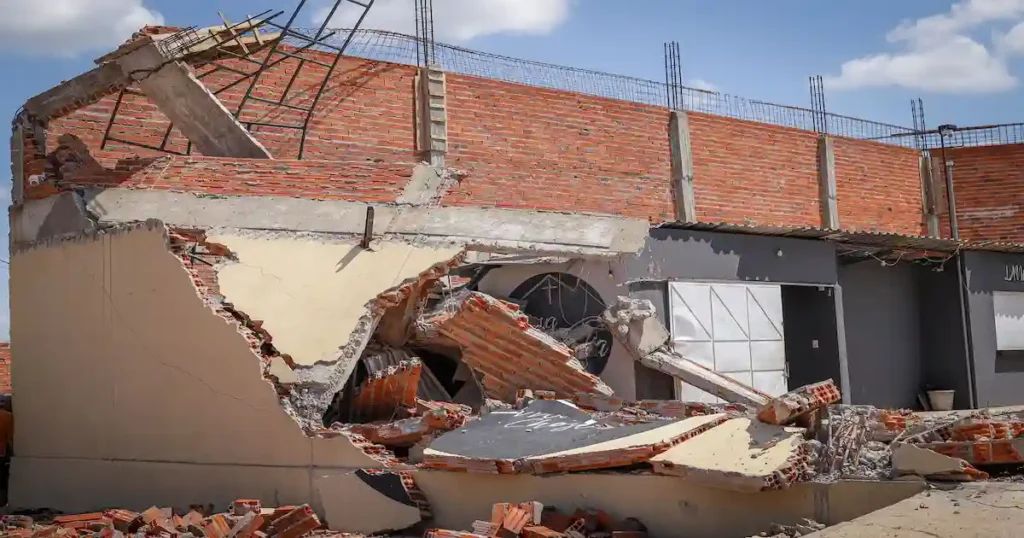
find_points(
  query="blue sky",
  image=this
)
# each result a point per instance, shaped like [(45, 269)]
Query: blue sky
[(963, 58)]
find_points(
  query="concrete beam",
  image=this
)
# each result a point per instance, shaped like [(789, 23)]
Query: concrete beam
[(827, 182), (682, 166), (77, 92), (427, 185), (17, 164), (193, 108), (481, 228), (929, 195), (709, 381)]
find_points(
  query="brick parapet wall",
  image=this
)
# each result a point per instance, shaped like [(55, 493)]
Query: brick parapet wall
[(515, 146), (989, 185)]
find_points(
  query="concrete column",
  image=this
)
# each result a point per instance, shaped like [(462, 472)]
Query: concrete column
[(193, 109), (17, 164), (682, 166), (432, 115), (827, 182), (929, 195), (844, 363)]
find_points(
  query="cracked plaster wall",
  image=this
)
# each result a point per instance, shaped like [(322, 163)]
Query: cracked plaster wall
[(310, 293), (125, 367)]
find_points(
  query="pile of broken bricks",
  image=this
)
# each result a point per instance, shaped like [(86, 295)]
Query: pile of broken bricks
[(534, 520), (245, 519)]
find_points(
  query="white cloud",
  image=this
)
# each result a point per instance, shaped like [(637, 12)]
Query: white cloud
[(941, 54), (459, 20), (71, 27)]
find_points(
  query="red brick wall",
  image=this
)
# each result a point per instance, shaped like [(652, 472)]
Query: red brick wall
[(527, 147), (752, 173), (5, 368), (366, 114), (359, 181), (878, 187), (518, 146), (989, 187)]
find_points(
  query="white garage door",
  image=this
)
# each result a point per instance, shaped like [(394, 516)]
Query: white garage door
[(733, 329)]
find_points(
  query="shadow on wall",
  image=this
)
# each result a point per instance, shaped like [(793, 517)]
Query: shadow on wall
[(674, 254), (72, 164)]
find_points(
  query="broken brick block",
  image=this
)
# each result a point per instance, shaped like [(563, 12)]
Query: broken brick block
[(246, 526), (485, 528), (515, 519), (388, 392), (799, 403), (296, 523), (217, 527), (498, 341), (540, 531), (498, 512), (242, 507), (446, 533)]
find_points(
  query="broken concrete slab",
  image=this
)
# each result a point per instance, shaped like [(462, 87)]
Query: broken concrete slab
[(53, 216), (195, 111), (669, 362), (624, 451), (799, 403), (741, 455), (311, 293), (498, 341), (497, 441), (366, 503), (635, 323), (408, 432), (913, 460)]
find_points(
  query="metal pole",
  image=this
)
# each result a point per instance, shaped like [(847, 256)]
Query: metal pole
[(961, 268)]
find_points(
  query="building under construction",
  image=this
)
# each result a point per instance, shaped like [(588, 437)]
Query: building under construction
[(260, 261)]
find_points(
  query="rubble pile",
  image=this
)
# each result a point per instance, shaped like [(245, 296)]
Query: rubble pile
[(534, 520), (244, 519)]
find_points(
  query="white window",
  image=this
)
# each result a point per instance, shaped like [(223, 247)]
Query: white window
[(1009, 310)]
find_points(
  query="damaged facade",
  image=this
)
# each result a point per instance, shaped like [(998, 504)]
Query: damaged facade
[(436, 333)]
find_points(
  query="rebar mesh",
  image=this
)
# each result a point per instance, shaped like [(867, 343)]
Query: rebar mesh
[(985, 135), (402, 49)]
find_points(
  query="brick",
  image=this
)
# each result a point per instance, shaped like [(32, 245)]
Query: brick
[(246, 526), (799, 403), (241, 507), (537, 531)]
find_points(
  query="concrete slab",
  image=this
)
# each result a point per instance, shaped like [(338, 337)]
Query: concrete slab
[(912, 460), (667, 361), (310, 293), (635, 323), (740, 455), (366, 504), (624, 451), (497, 441), (978, 510)]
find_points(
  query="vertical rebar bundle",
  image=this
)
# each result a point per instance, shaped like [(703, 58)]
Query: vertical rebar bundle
[(673, 76)]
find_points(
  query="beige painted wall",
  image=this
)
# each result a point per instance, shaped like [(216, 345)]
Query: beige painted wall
[(671, 507), (310, 293), (122, 360), (606, 278)]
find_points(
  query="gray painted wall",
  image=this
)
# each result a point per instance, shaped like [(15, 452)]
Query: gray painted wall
[(672, 254), (944, 357), (882, 317), (986, 273)]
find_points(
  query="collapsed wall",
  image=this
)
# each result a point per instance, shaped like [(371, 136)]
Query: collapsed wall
[(149, 387)]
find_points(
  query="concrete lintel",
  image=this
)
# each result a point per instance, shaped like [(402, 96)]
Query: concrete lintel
[(929, 194), (682, 166), (480, 228), (827, 182), (76, 92), (190, 105)]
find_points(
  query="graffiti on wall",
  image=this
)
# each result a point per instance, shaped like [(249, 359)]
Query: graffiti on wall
[(567, 308)]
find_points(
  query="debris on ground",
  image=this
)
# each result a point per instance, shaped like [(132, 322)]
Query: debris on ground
[(804, 528), (534, 520), (244, 519)]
